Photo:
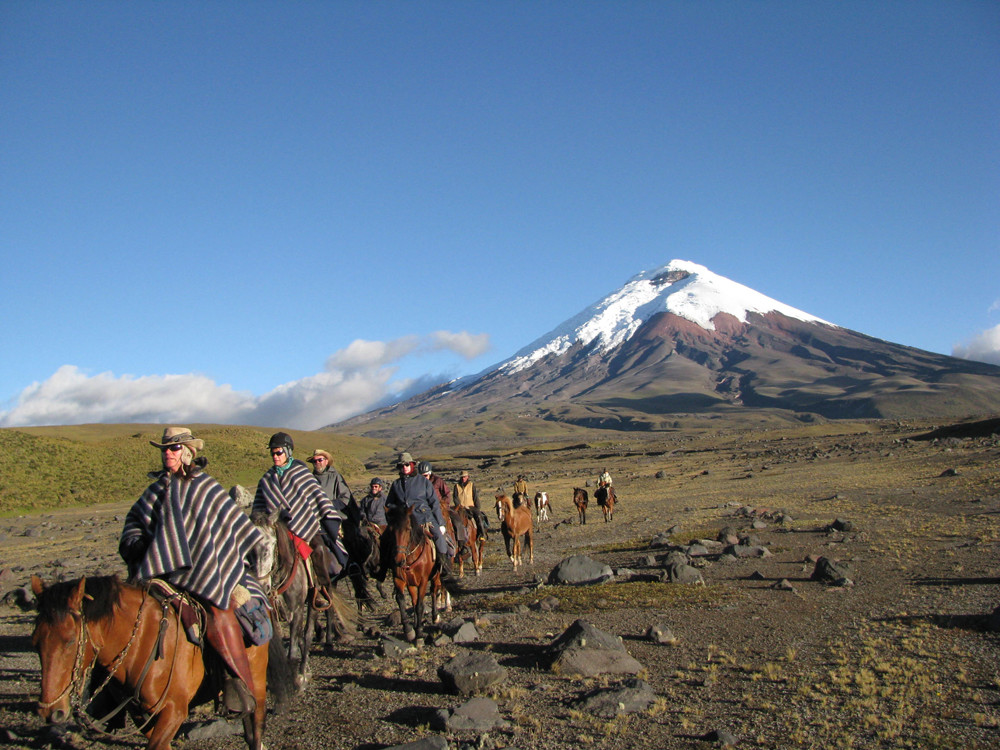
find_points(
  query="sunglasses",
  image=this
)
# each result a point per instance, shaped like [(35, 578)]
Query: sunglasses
[(172, 448), (278, 452)]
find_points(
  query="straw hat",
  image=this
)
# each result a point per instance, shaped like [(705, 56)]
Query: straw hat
[(320, 452), (178, 436)]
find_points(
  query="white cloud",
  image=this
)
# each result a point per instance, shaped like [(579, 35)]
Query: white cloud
[(994, 307), (984, 347), (354, 380)]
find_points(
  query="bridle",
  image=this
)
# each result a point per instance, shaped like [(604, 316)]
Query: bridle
[(82, 670)]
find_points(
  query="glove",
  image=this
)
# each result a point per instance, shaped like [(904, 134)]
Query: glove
[(132, 549), (443, 530)]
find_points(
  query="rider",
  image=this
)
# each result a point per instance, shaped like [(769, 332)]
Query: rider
[(425, 469), (605, 479), (521, 486), (340, 495), (289, 490), (186, 530), (373, 504), (466, 496), (415, 491)]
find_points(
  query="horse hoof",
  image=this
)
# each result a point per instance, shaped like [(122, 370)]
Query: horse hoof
[(410, 635)]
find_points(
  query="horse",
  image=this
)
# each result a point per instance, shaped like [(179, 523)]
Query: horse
[(542, 506), (297, 593), (605, 497), (474, 546), (580, 500), (515, 523), (139, 641), (415, 569)]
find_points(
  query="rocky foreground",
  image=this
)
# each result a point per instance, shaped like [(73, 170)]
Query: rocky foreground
[(828, 587)]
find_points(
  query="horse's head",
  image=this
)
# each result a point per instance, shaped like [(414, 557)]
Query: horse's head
[(63, 640), (266, 557), (504, 506)]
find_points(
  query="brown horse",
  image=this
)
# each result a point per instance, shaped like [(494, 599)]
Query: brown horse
[(141, 644), (580, 500), (415, 569), (605, 497), (515, 523), (474, 547)]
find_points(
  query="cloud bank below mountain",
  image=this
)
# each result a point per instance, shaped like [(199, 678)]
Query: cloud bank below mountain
[(360, 377)]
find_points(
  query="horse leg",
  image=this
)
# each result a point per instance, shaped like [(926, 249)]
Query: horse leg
[(165, 728), (253, 725), (530, 536), (417, 593), (408, 633)]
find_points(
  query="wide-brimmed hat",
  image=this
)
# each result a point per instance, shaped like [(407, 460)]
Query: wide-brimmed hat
[(178, 436), (465, 474), (320, 452), (404, 458)]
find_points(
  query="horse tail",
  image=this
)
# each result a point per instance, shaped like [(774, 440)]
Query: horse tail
[(280, 675)]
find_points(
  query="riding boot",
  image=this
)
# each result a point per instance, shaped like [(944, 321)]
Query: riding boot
[(224, 633)]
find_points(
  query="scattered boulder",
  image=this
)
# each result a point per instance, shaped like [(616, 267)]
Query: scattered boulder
[(584, 650), (721, 737), (211, 730), (949, 473), (430, 742), (471, 672), (660, 632), (580, 570), (394, 648), (841, 524), (830, 572), (632, 696), (477, 715), (241, 496), (684, 573)]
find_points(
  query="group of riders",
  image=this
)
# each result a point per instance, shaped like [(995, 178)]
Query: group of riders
[(187, 530)]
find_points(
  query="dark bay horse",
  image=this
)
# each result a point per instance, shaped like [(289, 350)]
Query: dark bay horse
[(297, 594), (415, 570), (580, 500), (515, 523), (605, 497), (141, 644)]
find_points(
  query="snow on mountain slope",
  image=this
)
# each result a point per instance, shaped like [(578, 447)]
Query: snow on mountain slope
[(686, 289)]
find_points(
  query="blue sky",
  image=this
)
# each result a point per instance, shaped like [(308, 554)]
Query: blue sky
[(283, 213)]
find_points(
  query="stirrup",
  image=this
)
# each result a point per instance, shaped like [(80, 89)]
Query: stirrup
[(236, 696)]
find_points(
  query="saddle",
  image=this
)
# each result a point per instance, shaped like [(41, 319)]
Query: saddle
[(191, 612)]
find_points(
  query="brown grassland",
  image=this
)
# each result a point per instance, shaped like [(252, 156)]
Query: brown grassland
[(906, 657)]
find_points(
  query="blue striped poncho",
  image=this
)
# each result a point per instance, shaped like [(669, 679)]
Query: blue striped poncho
[(198, 537), (297, 497)]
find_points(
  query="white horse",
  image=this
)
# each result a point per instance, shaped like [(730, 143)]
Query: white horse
[(542, 506)]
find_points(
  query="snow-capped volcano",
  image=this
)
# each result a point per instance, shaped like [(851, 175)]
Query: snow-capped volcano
[(679, 343), (681, 287)]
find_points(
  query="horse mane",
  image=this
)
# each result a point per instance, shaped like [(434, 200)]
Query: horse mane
[(400, 520), (102, 595)]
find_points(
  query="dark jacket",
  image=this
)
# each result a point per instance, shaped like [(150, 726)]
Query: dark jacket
[(335, 487), (416, 492)]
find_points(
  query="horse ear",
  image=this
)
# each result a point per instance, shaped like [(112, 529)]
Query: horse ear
[(37, 585), (76, 598)]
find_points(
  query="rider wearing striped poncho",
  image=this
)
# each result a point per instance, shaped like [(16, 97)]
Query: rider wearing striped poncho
[(187, 530), (290, 490)]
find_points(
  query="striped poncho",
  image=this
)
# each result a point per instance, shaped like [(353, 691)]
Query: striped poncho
[(296, 497), (198, 538)]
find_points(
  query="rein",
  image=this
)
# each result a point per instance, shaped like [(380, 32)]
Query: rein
[(403, 560), (82, 672)]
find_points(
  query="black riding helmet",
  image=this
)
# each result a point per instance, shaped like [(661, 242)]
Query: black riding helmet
[(424, 467), (281, 440)]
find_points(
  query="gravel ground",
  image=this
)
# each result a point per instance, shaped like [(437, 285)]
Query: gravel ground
[(905, 657)]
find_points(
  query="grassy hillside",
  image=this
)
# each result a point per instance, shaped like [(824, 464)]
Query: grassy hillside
[(49, 467)]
